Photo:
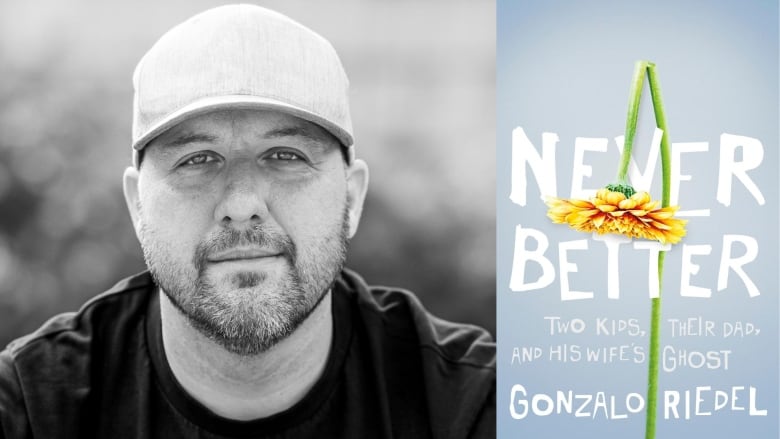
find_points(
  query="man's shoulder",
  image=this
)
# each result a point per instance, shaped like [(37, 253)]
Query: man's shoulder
[(125, 298), (48, 373), (402, 316), (450, 361)]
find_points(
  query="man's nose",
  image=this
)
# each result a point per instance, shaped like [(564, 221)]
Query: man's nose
[(243, 200)]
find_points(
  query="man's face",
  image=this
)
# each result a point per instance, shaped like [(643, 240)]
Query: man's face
[(244, 218)]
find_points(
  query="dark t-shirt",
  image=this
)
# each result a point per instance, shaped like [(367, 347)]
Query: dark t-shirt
[(393, 371)]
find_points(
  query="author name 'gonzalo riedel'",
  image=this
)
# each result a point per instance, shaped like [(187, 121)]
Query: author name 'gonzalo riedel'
[(676, 404)]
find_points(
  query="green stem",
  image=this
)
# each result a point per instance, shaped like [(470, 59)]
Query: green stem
[(660, 121), (655, 314), (652, 370), (633, 113)]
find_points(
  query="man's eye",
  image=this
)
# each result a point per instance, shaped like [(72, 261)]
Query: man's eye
[(285, 155), (198, 159)]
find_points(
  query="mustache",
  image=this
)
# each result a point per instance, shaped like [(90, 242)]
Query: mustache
[(258, 236)]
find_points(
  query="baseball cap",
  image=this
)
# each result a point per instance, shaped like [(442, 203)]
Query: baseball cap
[(239, 57)]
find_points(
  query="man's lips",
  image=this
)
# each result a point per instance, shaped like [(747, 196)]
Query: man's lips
[(242, 254)]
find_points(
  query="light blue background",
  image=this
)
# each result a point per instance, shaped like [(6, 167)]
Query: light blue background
[(565, 67)]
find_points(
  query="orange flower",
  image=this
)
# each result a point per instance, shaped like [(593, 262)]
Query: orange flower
[(636, 216)]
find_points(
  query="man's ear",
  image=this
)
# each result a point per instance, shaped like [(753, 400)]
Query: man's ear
[(130, 186), (357, 185)]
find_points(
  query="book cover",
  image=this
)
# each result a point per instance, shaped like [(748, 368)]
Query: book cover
[(578, 270)]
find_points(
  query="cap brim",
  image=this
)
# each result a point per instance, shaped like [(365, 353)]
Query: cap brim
[(238, 102)]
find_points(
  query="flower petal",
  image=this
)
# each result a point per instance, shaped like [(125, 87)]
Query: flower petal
[(641, 197), (581, 203), (615, 198), (627, 204), (598, 221)]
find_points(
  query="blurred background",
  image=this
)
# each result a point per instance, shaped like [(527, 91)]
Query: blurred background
[(422, 76)]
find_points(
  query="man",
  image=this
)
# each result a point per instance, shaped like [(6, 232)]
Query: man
[(244, 192)]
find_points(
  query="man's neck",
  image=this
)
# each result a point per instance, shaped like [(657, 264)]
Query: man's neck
[(247, 387)]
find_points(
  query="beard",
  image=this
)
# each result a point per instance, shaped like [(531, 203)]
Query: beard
[(247, 312)]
